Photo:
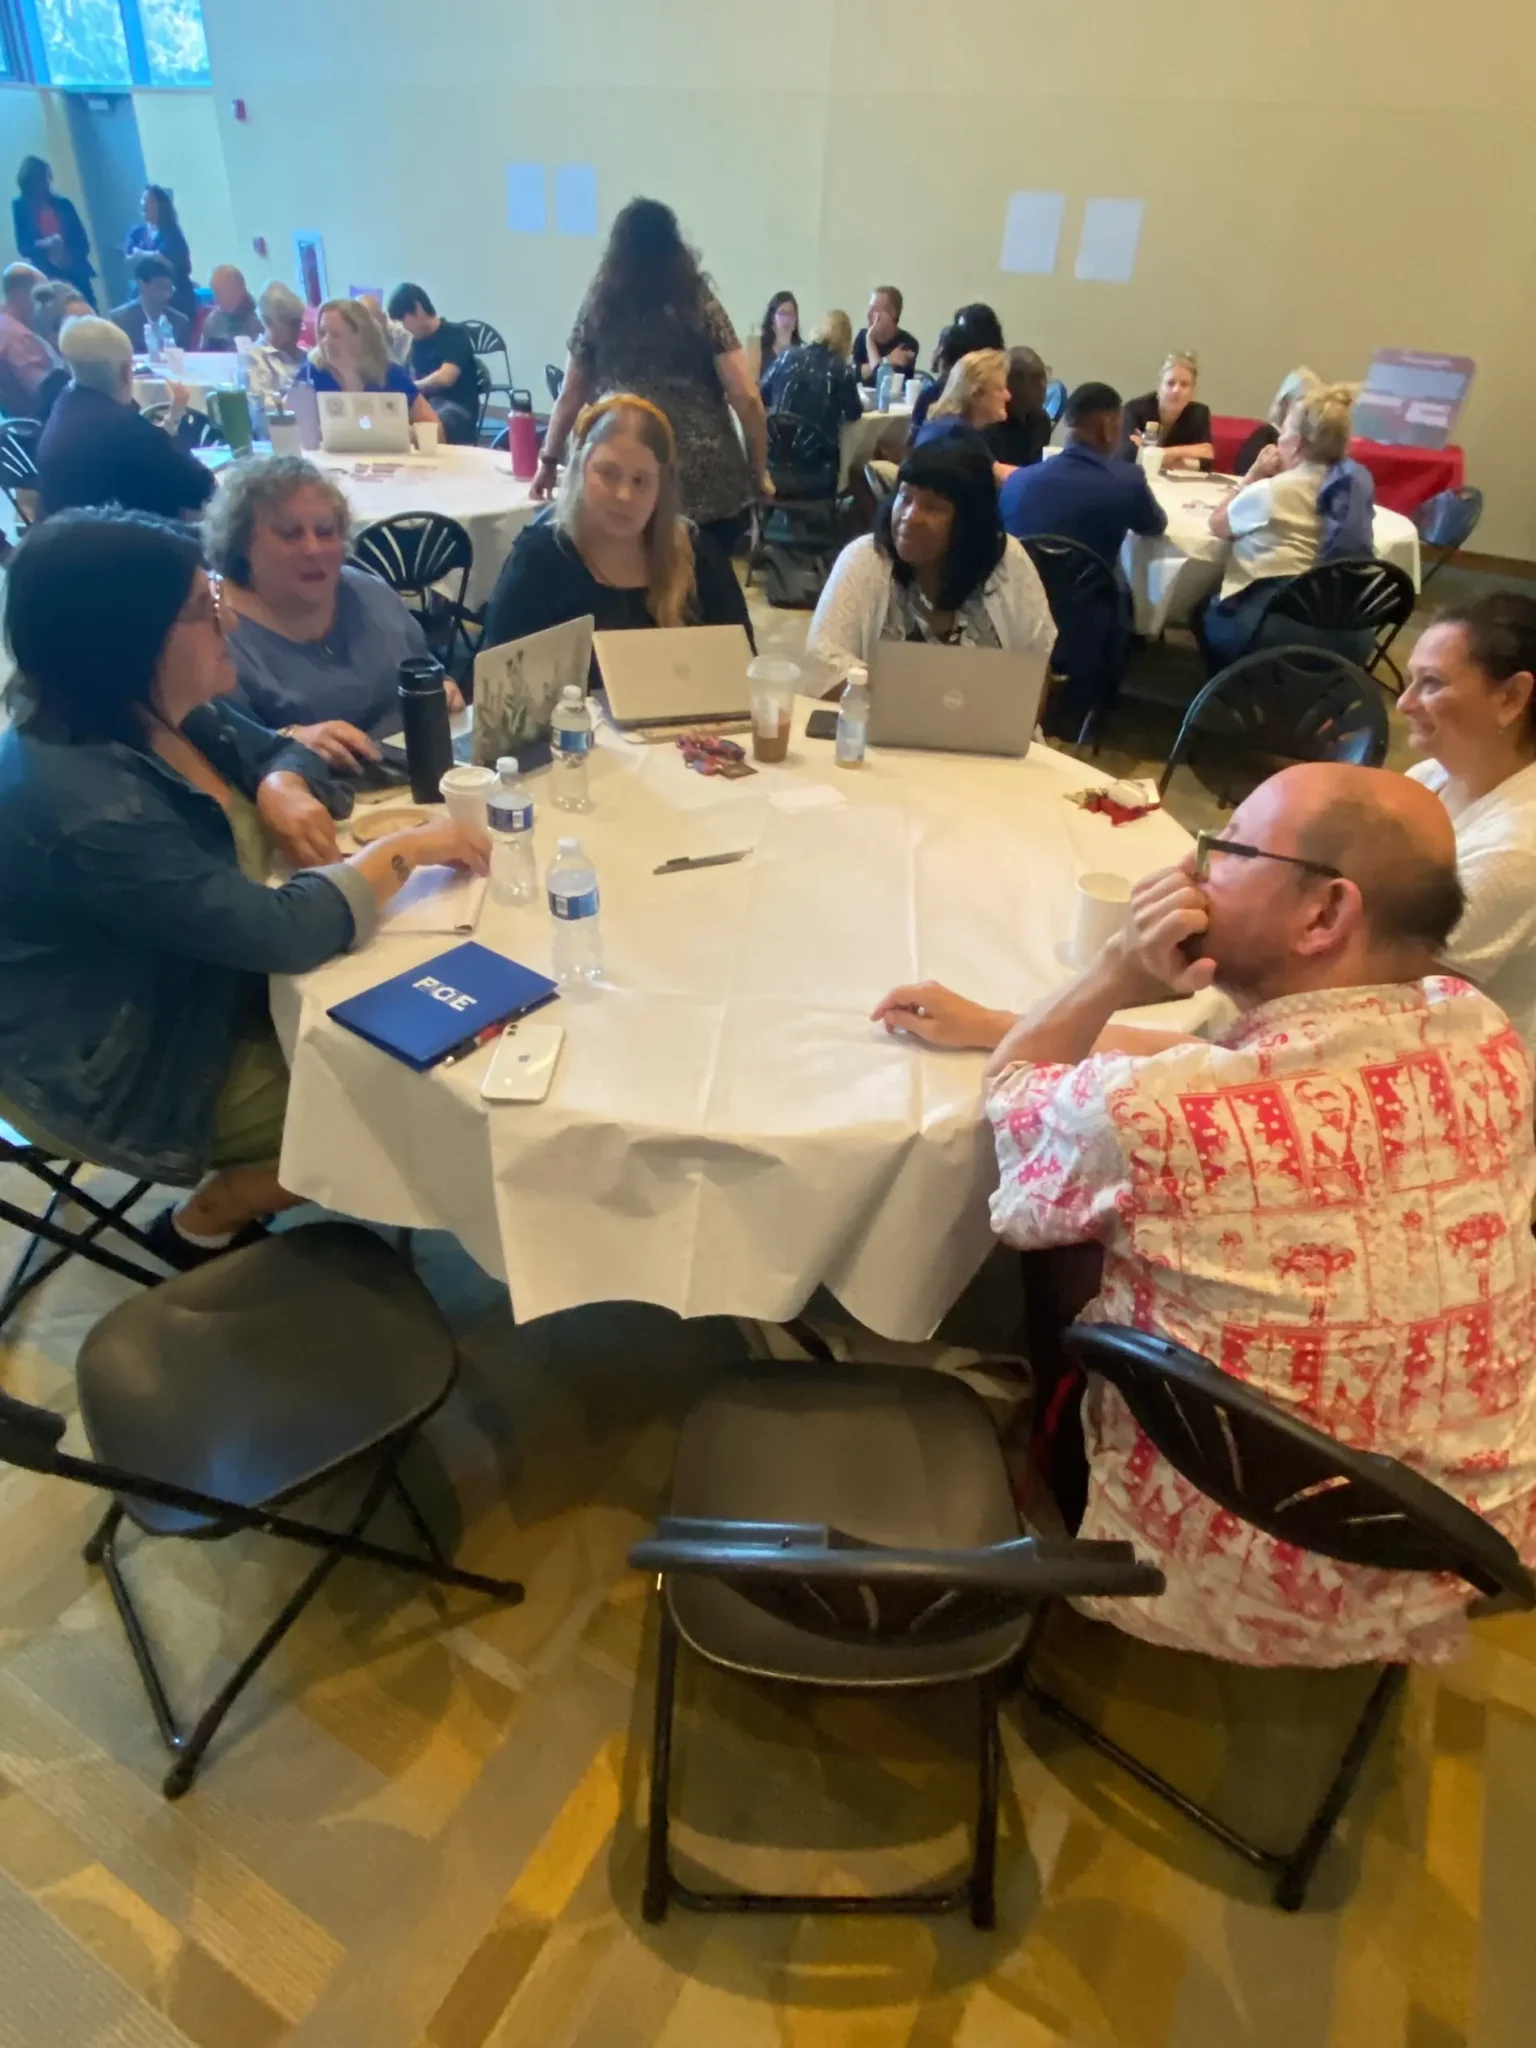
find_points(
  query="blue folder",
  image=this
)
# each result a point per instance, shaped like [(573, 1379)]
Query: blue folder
[(428, 1012)]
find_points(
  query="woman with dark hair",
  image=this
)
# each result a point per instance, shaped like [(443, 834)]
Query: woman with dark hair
[(779, 333), (48, 230), (974, 327), (1470, 704), (937, 567), (159, 234), (650, 324), (137, 930)]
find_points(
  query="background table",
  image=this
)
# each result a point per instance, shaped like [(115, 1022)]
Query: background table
[(860, 438), (1405, 477), (473, 485), (202, 371), (727, 1129), (1170, 575)]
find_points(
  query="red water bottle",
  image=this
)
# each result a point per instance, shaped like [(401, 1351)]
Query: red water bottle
[(523, 437)]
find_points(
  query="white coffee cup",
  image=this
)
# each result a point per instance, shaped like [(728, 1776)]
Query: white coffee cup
[(465, 790), (895, 391), (1103, 905), (426, 432), (1151, 460)]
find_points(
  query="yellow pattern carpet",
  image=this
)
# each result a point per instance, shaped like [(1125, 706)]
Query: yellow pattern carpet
[(422, 1827)]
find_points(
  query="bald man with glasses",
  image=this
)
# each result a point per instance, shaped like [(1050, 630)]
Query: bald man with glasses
[(1330, 1199)]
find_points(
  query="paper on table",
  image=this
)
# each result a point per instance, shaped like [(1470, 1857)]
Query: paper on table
[(808, 796), (436, 899), (1031, 231)]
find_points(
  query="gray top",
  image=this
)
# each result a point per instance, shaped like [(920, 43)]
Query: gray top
[(352, 673)]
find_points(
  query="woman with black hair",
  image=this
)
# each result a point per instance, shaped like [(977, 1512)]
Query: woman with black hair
[(137, 817), (938, 567), (780, 332), (159, 234), (48, 230), (650, 324), (974, 327)]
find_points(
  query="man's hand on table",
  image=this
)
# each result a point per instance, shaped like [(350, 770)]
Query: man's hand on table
[(301, 829)]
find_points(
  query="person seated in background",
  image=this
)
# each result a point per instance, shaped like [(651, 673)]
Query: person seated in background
[(54, 301), (25, 358), (350, 355), (615, 542), (1183, 424), (160, 233), (1330, 1201), (974, 327), (974, 399), (274, 361), (938, 567), (815, 384), (138, 813), (882, 338), (1024, 435), (1086, 496), (779, 333), (442, 362), (1267, 433), (1277, 524), (316, 642), (153, 303), (97, 447), (233, 316), (1470, 707)]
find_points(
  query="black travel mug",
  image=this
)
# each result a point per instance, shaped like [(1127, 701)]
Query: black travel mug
[(424, 716)]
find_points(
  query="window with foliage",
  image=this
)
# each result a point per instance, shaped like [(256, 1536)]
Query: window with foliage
[(83, 42), (109, 42), (174, 43)]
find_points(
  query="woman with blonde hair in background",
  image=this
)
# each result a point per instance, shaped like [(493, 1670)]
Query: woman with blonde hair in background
[(615, 542), (350, 355), (816, 385), (1302, 502), (1293, 385), (974, 398), (1183, 424)]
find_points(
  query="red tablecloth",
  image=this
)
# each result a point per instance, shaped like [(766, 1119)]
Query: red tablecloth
[(1405, 477)]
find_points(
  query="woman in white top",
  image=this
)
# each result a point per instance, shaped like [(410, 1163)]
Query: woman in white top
[(1273, 522), (938, 567), (275, 360), (1470, 703)]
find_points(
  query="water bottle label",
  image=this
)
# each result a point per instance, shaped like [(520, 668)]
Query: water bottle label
[(516, 817), (569, 908), (567, 741)]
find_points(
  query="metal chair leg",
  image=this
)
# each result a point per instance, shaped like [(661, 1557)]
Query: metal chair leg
[(984, 1868), (658, 1866), (1296, 1873)]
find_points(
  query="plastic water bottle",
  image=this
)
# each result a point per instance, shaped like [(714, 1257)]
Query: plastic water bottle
[(853, 719), (571, 738), (573, 904), (165, 338), (1150, 454), (509, 820), (883, 388)]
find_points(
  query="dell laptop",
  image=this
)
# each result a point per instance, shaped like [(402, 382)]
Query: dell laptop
[(674, 674), (954, 700)]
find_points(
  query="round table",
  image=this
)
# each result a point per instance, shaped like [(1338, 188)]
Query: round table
[(201, 371), (473, 485), (727, 1129), (861, 437), (1169, 576)]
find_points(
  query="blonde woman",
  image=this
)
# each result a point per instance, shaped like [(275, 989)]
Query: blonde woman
[(615, 542), (350, 356), (1293, 385), (1300, 503), (1183, 423), (817, 386), (974, 398)]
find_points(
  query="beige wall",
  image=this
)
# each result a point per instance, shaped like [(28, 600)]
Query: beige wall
[(1347, 175), (33, 123), (179, 134)]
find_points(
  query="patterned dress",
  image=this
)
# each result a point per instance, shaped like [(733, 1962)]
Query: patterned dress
[(1333, 1204)]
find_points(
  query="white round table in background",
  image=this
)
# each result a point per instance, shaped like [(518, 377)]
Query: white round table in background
[(861, 437), (727, 1130), (201, 371), (473, 485), (1169, 576)]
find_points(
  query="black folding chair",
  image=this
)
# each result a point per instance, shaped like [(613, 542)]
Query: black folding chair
[(1055, 399), (1446, 522), (1281, 1476), (49, 1239), (194, 430), (554, 377), (1358, 602), (415, 552), (213, 1402), (1086, 604), (487, 342), (881, 478), (851, 1528), (18, 467), (798, 531), (1287, 703)]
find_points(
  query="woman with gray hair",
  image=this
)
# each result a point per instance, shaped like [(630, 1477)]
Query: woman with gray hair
[(273, 362), (317, 643), (98, 448)]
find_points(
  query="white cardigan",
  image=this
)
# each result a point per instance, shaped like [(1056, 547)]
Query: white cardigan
[(851, 615)]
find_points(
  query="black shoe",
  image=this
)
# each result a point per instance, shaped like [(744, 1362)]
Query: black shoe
[(177, 1252)]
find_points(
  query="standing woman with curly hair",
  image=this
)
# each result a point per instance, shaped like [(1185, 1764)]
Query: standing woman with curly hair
[(650, 324)]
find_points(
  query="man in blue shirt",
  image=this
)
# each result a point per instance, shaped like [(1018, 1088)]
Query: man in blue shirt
[(1085, 496)]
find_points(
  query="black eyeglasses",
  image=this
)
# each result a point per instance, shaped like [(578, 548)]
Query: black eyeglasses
[(1207, 843)]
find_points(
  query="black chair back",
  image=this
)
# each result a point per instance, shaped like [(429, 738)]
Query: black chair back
[(1355, 594), (831, 1584), (18, 461), (1288, 1479), (1446, 522), (554, 377), (1073, 575), (1055, 399), (802, 460), (414, 550), (1297, 703), (485, 340)]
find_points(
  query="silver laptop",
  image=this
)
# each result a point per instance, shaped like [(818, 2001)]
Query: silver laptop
[(518, 684), (364, 423), (955, 700), (672, 674)]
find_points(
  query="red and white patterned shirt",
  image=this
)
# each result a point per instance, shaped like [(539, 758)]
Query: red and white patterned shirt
[(1333, 1203)]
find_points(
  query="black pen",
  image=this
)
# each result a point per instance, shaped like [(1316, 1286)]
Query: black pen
[(702, 860)]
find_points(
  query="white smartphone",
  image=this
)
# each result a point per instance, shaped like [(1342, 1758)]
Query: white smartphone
[(523, 1064)]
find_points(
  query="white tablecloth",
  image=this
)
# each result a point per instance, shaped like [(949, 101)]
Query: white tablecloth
[(1169, 576), (861, 437), (202, 371), (726, 1128), (473, 485)]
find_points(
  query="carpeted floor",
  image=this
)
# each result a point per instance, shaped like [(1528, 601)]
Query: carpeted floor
[(422, 1828)]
